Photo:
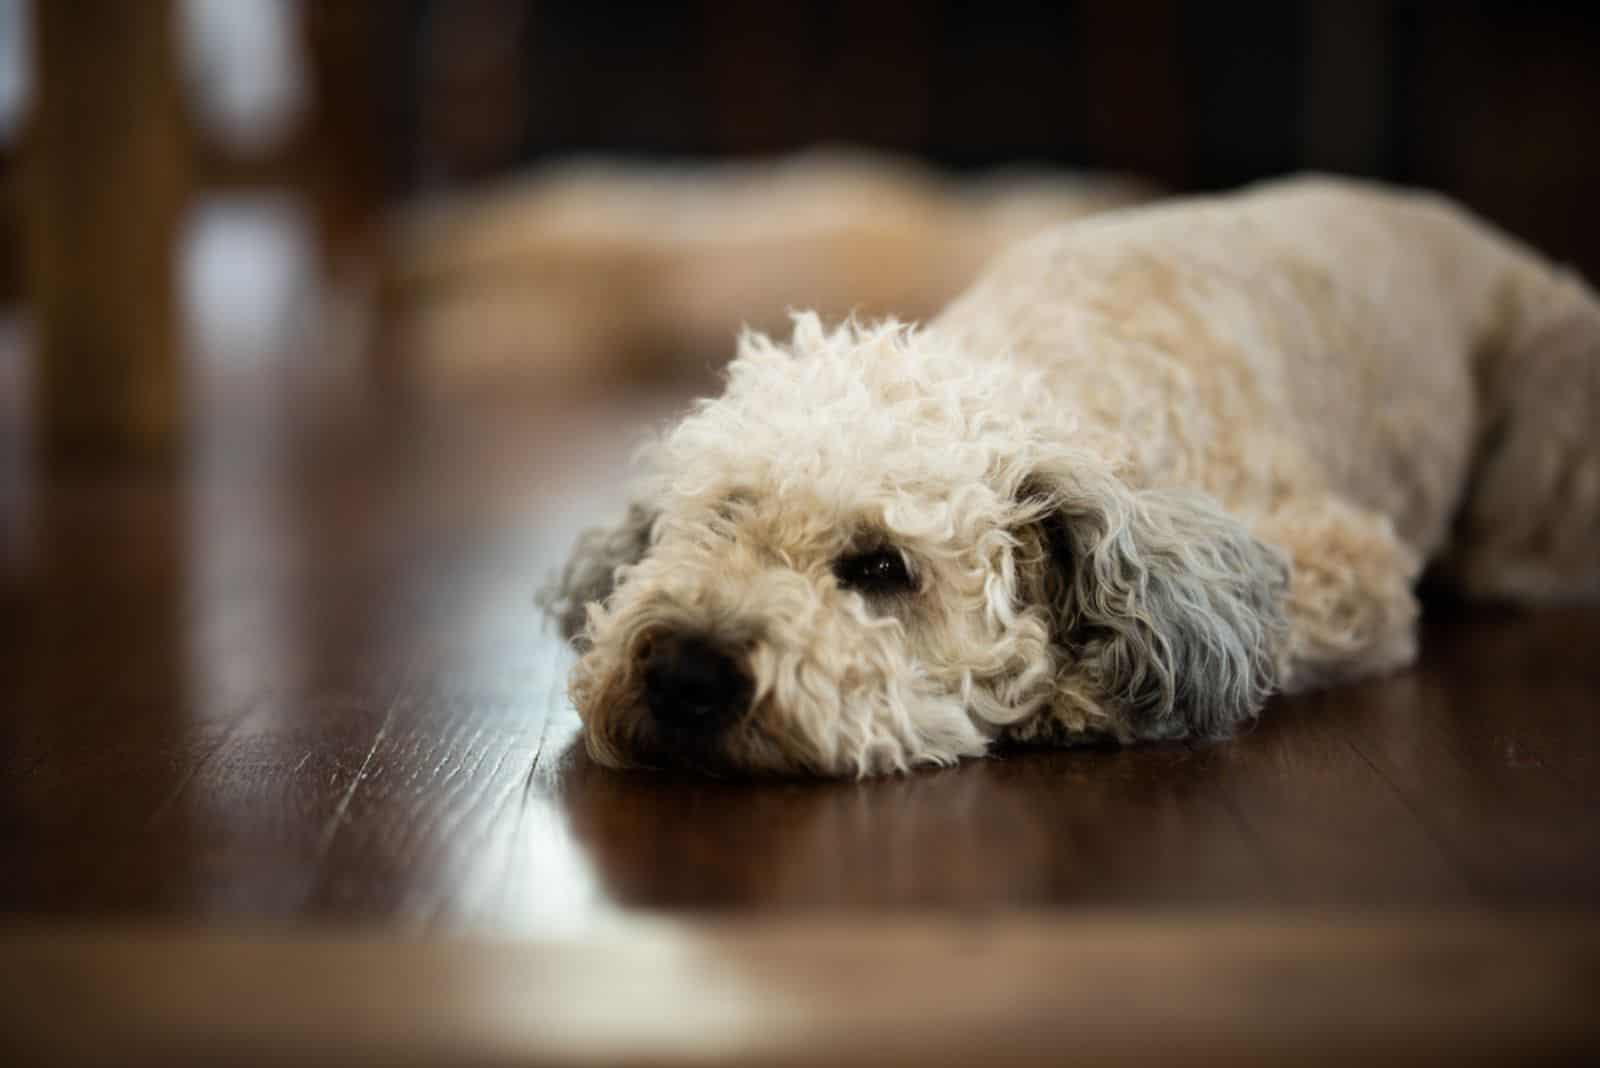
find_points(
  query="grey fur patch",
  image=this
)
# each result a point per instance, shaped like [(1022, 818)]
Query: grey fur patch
[(1167, 607), (592, 572)]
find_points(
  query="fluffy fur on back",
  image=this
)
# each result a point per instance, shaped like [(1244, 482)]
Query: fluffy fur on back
[(1151, 469)]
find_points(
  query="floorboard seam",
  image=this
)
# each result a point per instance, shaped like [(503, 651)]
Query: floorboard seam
[(1462, 869), (330, 830)]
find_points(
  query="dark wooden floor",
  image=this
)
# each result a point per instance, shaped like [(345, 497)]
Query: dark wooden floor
[(297, 681), (301, 676)]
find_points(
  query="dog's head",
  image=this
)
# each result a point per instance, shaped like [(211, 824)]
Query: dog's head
[(872, 553)]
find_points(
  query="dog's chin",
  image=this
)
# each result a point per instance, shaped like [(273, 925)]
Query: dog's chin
[(622, 736), (665, 751)]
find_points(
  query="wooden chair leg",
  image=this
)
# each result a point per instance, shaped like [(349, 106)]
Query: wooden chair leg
[(106, 178)]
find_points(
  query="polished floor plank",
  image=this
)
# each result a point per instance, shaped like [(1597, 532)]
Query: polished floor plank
[(1317, 809), (299, 677), (1032, 830), (1492, 743), (1270, 988)]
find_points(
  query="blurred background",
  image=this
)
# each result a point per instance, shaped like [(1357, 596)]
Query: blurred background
[(588, 193)]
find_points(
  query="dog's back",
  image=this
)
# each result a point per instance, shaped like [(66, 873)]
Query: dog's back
[(1325, 332)]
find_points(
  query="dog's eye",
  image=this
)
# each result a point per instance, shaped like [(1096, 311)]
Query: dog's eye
[(875, 571)]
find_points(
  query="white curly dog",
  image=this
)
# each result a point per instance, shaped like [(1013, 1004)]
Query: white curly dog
[(1151, 469)]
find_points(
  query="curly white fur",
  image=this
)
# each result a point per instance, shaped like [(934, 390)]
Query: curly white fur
[(1149, 470)]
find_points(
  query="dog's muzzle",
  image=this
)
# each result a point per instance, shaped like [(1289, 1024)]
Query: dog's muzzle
[(692, 686)]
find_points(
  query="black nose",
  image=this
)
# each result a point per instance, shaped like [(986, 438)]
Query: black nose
[(691, 685)]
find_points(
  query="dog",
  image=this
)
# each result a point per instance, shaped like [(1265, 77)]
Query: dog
[(1150, 469)]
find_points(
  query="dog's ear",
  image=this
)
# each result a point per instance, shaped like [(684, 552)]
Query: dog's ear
[(593, 570), (1165, 607)]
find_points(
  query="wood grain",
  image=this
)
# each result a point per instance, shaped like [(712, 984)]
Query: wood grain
[(1311, 988)]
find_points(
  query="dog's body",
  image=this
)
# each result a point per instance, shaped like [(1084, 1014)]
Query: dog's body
[(1152, 468)]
